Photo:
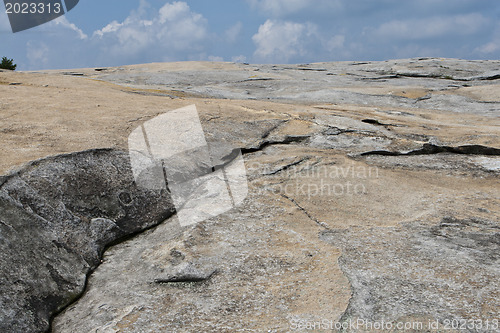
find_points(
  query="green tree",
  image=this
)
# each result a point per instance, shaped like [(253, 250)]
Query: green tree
[(8, 64)]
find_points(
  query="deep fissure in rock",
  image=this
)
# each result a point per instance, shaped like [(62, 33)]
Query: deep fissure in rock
[(430, 149)]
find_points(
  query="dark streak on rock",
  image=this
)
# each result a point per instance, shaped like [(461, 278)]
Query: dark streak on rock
[(272, 129), (430, 149), (187, 278), (148, 93), (286, 167), (312, 218), (289, 139), (311, 69), (256, 79)]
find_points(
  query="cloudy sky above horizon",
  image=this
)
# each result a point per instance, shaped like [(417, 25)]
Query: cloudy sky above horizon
[(100, 33)]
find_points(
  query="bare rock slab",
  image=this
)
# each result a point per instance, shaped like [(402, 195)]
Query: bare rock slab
[(373, 195), (57, 215)]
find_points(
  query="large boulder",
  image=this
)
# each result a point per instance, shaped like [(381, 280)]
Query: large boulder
[(57, 215)]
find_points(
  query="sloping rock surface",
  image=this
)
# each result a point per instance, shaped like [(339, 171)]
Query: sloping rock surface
[(374, 197), (57, 216)]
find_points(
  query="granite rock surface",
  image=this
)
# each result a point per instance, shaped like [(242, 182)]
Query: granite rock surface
[(57, 216), (373, 196)]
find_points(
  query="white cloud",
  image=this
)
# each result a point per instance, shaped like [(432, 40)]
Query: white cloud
[(215, 58), (335, 43), (171, 12), (111, 27), (62, 21), (38, 53), (240, 58), (233, 32), (173, 32), (281, 8), (181, 28), (490, 47), (295, 31), (415, 50), (433, 27), (4, 22), (285, 41), (280, 41), (57, 44)]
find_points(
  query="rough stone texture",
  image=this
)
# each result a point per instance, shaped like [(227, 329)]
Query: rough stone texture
[(374, 194), (438, 84), (404, 275), (56, 217)]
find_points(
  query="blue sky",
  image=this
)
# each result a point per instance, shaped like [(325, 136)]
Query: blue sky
[(100, 33)]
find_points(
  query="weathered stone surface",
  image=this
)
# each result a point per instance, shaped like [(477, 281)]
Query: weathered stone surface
[(373, 195), (416, 272), (56, 217), (431, 83)]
